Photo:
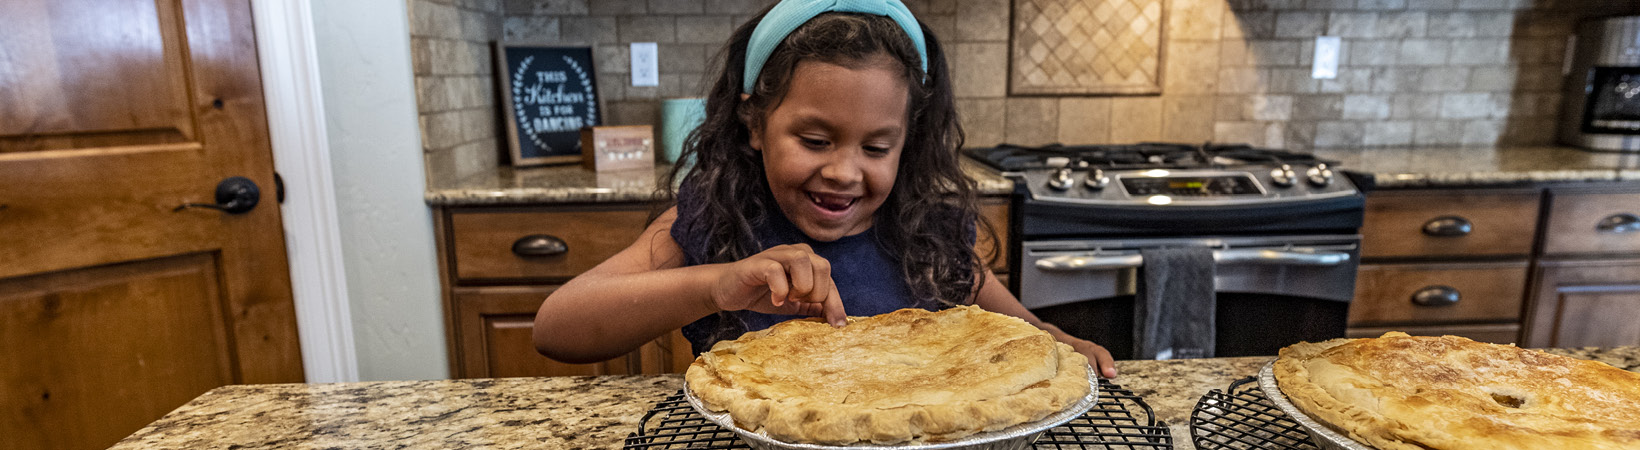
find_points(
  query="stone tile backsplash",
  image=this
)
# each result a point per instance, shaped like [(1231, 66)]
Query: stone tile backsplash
[(1412, 72)]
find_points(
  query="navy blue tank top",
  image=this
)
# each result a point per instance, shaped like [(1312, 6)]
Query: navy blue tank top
[(869, 281)]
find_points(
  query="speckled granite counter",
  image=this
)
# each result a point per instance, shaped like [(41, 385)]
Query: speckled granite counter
[(1480, 167), (557, 413), (573, 184)]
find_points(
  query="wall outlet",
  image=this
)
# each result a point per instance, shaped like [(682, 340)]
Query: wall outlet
[(646, 69), (1326, 57)]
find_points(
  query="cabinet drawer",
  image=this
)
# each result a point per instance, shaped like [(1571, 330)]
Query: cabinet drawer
[(1408, 223), (1503, 333), (1485, 292), (483, 242), (1593, 223)]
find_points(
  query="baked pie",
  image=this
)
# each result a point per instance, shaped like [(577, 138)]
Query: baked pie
[(1450, 393), (908, 375)]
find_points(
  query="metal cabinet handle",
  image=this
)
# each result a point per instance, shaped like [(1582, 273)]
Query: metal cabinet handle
[(1071, 263), (539, 245), (1437, 295), (1447, 226), (234, 195), (1619, 223)]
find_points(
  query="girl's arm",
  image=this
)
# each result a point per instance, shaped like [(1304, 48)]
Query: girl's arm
[(994, 297), (643, 292)]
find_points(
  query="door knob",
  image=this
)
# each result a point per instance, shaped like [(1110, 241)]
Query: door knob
[(234, 195)]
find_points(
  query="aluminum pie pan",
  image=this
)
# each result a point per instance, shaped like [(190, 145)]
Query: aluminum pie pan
[(1323, 436), (1012, 438)]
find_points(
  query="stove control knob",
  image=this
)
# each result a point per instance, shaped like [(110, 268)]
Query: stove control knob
[(1061, 180), (1096, 180), (1320, 175), (1283, 176)]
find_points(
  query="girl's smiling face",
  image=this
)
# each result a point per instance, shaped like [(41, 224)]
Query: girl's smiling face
[(831, 149)]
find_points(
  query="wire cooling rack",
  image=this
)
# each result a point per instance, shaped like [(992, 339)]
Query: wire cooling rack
[(1120, 421), (1241, 418)]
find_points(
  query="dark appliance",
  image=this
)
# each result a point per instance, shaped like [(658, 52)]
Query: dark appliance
[(1601, 107), (1283, 228)]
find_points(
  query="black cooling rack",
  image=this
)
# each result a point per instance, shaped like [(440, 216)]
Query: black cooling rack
[(1120, 421), (1241, 418)]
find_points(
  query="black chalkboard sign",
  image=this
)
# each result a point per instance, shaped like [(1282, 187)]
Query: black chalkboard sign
[(548, 95)]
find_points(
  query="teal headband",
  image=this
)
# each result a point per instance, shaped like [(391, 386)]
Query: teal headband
[(790, 14)]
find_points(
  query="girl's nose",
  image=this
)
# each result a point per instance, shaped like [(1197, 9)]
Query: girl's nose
[(843, 167)]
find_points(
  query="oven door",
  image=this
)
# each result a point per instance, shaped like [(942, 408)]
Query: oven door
[(1271, 291)]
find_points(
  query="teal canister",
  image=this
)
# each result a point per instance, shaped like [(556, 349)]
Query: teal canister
[(679, 117)]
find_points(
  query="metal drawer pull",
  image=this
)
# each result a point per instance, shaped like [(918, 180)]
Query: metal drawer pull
[(1619, 223), (539, 245), (1066, 263), (1437, 295), (1448, 226)]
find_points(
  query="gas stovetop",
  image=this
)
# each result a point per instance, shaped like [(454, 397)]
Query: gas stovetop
[(1166, 174)]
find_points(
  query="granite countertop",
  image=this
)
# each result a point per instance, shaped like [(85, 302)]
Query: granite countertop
[(1393, 168), (573, 184), (1390, 168), (561, 412)]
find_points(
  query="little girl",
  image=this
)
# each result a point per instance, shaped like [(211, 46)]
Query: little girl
[(826, 181)]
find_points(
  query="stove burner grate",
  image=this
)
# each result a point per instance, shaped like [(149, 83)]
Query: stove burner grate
[(1121, 421), (1241, 418)]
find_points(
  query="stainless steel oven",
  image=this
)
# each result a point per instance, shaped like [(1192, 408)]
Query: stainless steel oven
[(1282, 226), (1271, 291)]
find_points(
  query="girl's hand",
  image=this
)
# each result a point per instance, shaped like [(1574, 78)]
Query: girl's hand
[(1100, 358), (1097, 355), (789, 279)]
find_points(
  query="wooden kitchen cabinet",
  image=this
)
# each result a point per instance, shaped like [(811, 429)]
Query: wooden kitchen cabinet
[(492, 291), (1445, 261), (1586, 303), (1587, 285), (499, 263)]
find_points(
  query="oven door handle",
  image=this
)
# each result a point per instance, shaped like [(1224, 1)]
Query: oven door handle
[(1265, 257)]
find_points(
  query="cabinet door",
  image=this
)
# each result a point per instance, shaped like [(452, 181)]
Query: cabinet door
[(494, 336), (1585, 303), (494, 340)]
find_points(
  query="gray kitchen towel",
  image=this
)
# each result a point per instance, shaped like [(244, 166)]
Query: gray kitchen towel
[(1173, 312)]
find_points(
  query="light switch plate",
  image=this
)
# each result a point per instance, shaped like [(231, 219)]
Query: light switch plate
[(645, 64), (1326, 57)]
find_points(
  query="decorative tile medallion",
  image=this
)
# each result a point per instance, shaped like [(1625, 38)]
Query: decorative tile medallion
[(1086, 47)]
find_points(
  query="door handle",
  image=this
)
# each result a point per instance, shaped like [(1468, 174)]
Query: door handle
[(1615, 223), (234, 195), (1071, 263), (540, 245), (1448, 226), (1437, 295)]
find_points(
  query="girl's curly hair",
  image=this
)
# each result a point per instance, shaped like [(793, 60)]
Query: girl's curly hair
[(932, 202)]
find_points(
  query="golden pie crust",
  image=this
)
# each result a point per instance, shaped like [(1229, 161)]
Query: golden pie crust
[(909, 375), (1451, 393)]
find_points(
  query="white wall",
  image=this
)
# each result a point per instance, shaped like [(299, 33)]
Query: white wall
[(386, 227)]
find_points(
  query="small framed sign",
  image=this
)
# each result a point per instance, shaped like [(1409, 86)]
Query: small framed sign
[(548, 94)]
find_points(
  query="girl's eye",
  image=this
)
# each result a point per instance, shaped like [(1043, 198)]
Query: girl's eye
[(814, 143), (877, 150)]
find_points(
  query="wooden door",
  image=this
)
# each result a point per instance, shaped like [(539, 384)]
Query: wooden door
[(1585, 303), (115, 306)]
